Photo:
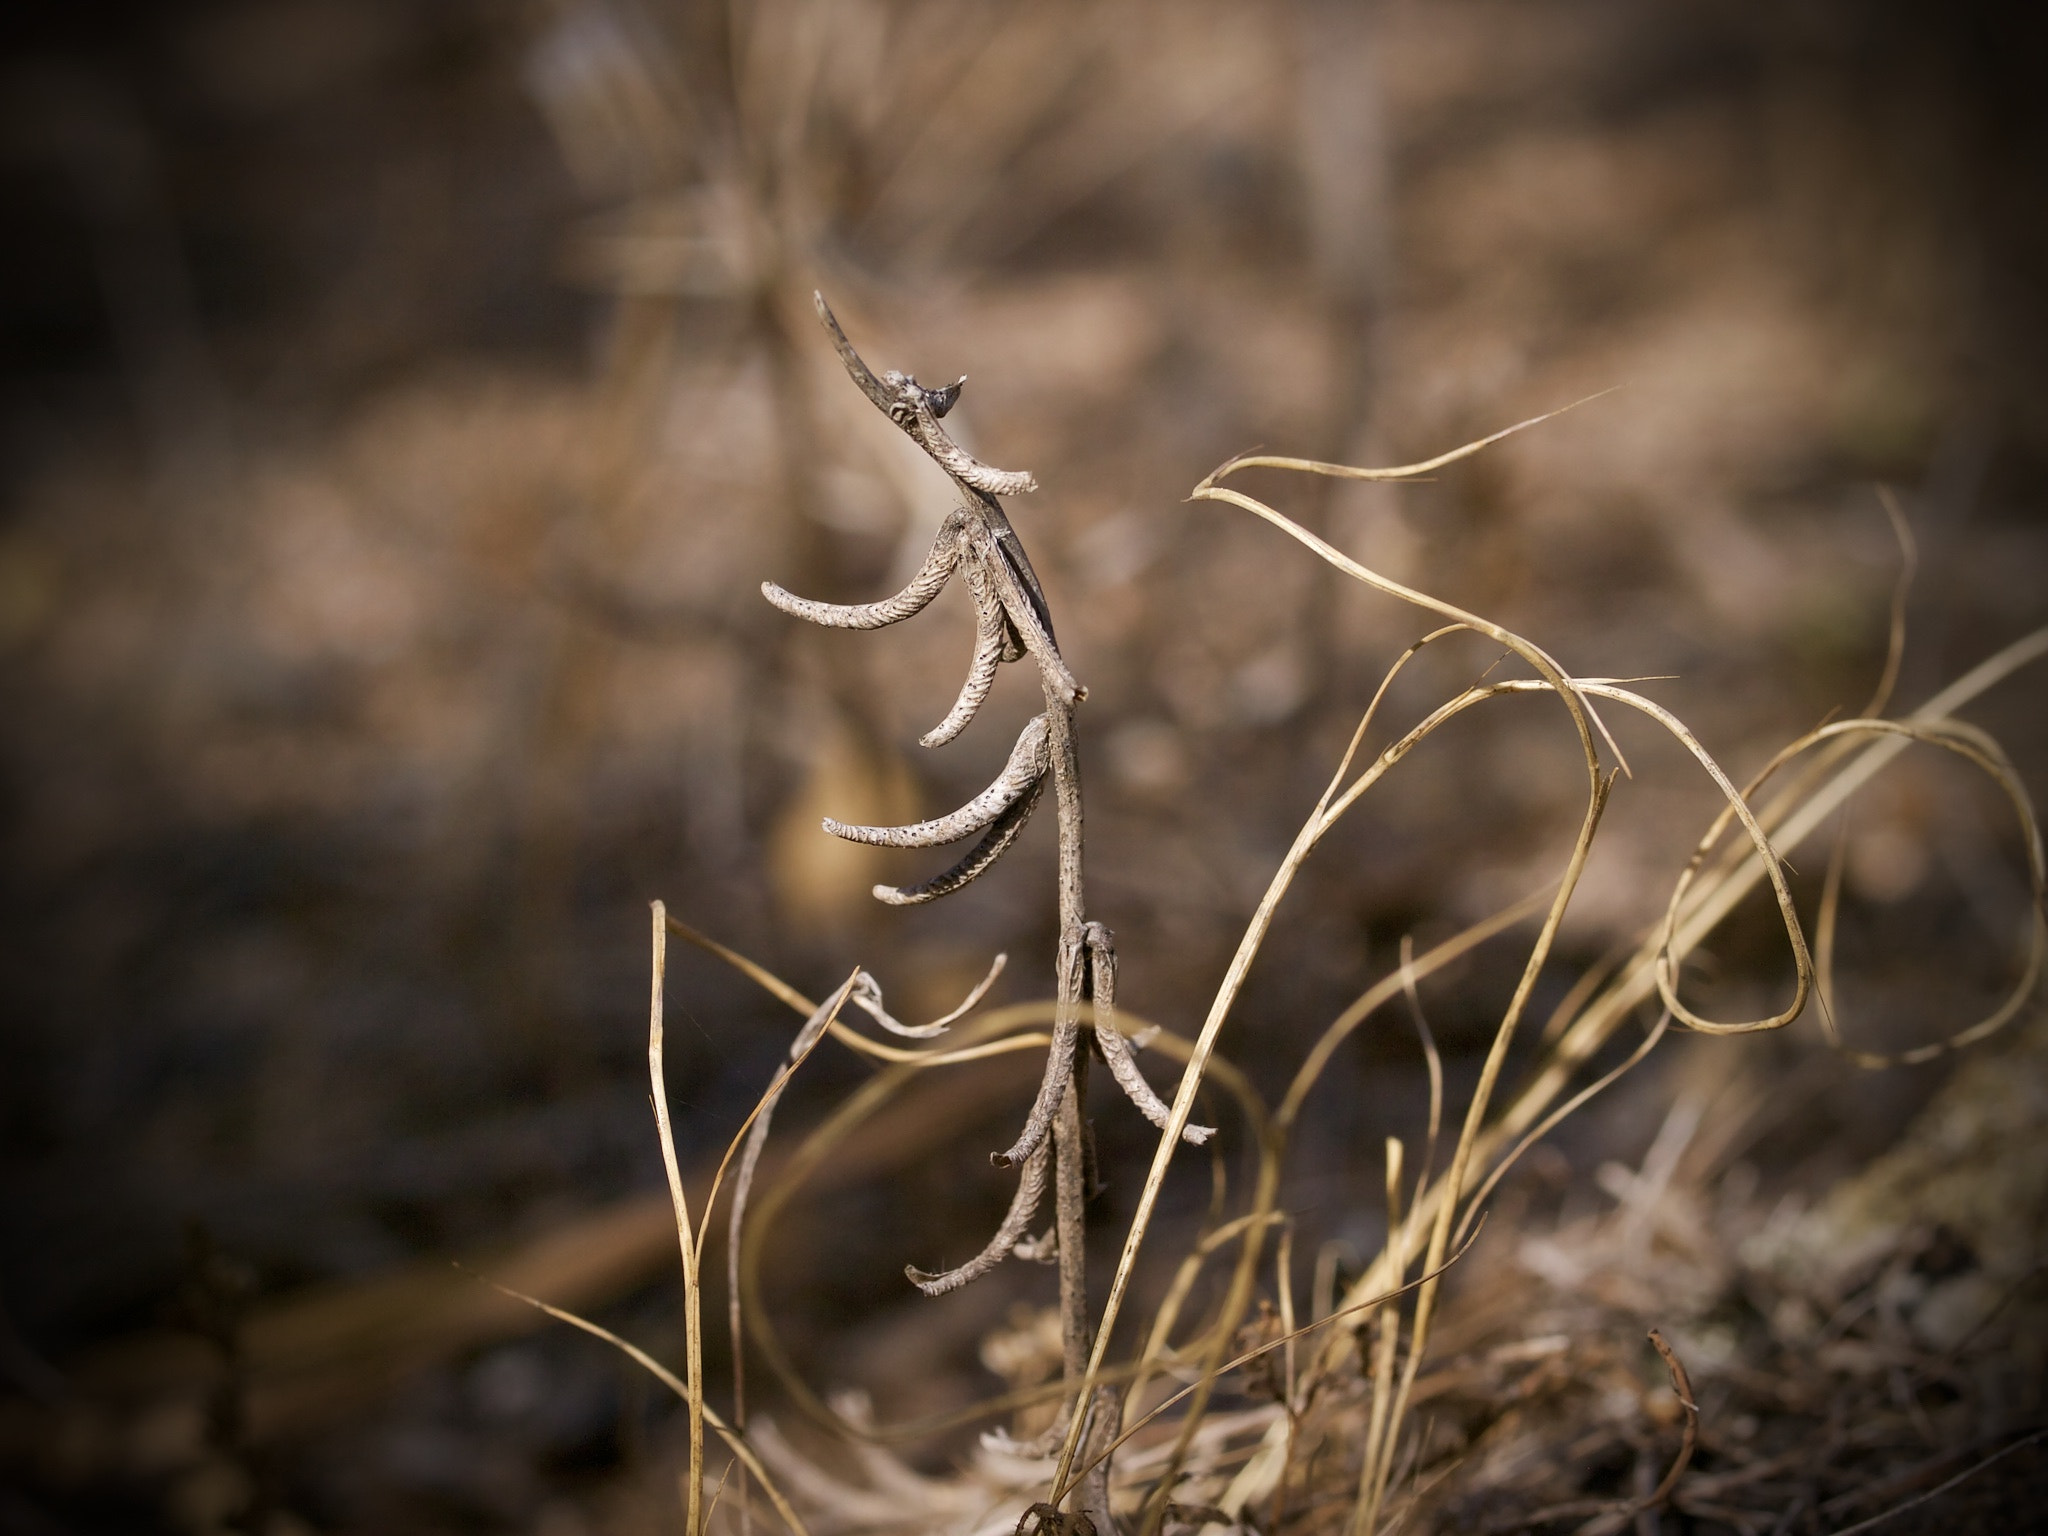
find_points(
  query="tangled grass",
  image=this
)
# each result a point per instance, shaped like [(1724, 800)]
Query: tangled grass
[(1343, 1411)]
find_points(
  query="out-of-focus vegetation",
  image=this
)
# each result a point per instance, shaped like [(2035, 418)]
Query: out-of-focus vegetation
[(407, 401)]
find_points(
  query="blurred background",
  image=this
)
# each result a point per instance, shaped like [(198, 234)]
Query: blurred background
[(404, 402)]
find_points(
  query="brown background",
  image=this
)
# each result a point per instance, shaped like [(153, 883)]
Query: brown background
[(405, 402)]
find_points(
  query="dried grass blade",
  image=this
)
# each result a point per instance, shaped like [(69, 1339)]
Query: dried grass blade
[(1719, 894), (1398, 471), (693, 1326), (783, 992), (755, 1132), (1895, 636), (1557, 1116), (1066, 1485), (733, 1441)]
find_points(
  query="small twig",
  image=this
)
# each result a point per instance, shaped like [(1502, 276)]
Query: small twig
[(1936, 1492), (1681, 1384)]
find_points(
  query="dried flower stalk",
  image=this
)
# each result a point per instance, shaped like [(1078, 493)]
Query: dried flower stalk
[(1012, 621)]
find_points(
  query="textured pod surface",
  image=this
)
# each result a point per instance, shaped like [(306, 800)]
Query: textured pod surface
[(928, 583), (912, 407), (959, 463), (1024, 769), (993, 846), (1023, 1205), (1116, 1050), (992, 634)]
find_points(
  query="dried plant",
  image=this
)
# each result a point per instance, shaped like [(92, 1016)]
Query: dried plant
[(1012, 621), (1338, 1390)]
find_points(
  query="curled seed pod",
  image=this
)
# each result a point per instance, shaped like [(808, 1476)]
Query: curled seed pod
[(1059, 1062), (1025, 768), (1023, 1206), (930, 580), (993, 845), (992, 638), (1116, 1050)]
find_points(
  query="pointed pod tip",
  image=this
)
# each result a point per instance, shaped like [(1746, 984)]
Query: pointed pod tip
[(827, 319)]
